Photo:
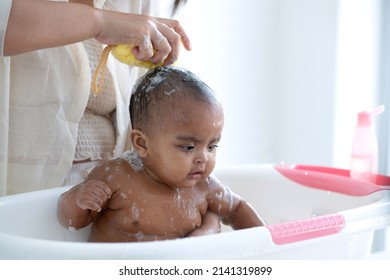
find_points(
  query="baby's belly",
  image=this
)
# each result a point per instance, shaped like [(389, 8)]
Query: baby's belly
[(112, 236), (111, 228)]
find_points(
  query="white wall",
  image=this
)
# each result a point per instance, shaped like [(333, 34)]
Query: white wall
[(275, 64), (305, 96), (234, 53), (358, 69)]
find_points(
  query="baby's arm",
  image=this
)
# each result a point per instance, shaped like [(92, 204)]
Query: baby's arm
[(79, 206), (242, 215), (210, 225), (233, 210)]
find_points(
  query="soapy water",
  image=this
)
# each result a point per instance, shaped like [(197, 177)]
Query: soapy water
[(181, 203), (123, 195), (219, 195), (170, 92), (135, 212), (230, 200), (140, 236), (72, 229), (133, 159), (150, 84), (154, 82), (158, 79), (178, 198)]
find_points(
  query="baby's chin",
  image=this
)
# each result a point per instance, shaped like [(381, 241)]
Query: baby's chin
[(188, 183)]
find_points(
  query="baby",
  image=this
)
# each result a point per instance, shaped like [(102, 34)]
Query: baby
[(164, 188)]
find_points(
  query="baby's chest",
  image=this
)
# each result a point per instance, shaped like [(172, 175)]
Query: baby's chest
[(162, 217)]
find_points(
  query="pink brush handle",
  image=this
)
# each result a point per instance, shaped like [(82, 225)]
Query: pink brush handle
[(331, 179), (300, 230)]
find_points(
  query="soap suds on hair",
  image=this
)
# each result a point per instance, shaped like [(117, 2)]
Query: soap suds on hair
[(169, 92), (154, 82)]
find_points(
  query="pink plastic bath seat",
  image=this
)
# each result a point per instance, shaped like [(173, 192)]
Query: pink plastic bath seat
[(306, 229), (331, 179)]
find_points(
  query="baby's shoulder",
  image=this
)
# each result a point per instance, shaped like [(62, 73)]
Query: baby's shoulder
[(206, 186), (113, 165), (110, 168), (214, 187), (213, 183)]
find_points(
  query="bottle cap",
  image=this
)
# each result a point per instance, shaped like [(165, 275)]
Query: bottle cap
[(365, 117)]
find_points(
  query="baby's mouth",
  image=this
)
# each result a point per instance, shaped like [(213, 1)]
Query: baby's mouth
[(195, 175)]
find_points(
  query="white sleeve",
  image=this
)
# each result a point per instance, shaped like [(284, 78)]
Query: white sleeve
[(5, 8)]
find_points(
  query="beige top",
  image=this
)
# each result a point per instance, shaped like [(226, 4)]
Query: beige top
[(43, 97), (96, 134)]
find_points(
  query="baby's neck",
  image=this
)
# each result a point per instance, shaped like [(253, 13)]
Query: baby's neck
[(133, 159)]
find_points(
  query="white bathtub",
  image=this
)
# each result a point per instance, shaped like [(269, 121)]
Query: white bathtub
[(304, 223)]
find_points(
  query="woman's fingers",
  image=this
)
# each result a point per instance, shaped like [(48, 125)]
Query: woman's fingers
[(164, 42)]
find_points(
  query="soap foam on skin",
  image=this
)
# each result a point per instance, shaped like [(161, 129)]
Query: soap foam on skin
[(133, 159)]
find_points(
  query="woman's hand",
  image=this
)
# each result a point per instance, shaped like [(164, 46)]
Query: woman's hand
[(38, 24), (155, 39)]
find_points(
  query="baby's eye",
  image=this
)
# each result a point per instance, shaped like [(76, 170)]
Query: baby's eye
[(188, 148), (212, 147)]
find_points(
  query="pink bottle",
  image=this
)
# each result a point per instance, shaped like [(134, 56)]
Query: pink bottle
[(364, 161)]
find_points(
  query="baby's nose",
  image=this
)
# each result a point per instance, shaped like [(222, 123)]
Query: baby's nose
[(203, 157)]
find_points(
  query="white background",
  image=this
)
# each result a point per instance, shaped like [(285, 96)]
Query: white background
[(291, 74)]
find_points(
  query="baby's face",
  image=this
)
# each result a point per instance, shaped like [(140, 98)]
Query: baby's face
[(182, 150)]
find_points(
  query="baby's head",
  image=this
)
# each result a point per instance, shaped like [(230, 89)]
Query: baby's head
[(177, 122), (158, 93)]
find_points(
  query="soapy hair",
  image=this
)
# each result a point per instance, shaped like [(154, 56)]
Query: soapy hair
[(162, 83)]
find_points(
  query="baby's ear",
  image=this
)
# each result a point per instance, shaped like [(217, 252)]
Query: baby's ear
[(138, 140)]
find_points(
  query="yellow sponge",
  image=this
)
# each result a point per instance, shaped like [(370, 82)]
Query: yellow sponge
[(124, 54)]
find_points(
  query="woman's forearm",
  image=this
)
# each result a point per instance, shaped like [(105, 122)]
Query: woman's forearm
[(39, 24), (36, 24)]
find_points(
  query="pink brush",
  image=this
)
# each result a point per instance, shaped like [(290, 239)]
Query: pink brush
[(332, 179)]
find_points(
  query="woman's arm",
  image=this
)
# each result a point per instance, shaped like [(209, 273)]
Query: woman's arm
[(37, 24)]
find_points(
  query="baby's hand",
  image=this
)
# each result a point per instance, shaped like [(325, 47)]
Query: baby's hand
[(210, 225), (93, 195)]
